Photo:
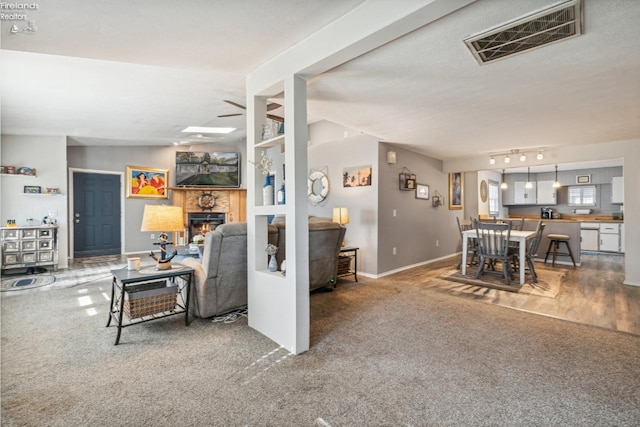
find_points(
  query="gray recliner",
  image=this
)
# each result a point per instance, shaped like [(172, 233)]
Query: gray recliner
[(221, 275)]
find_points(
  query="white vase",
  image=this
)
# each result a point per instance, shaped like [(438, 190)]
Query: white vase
[(267, 193), (273, 263)]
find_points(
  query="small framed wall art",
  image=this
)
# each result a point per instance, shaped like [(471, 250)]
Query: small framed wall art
[(32, 189), (407, 180), (422, 191)]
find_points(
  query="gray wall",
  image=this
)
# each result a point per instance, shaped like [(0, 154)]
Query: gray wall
[(419, 231), (117, 158)]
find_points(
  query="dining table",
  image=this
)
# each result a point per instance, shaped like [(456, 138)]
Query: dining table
[(517, 236)]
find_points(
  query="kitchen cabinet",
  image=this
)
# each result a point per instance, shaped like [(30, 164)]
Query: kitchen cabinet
[(610, 237), (523, 195), (546, 194), (617, 190), (589, 240)]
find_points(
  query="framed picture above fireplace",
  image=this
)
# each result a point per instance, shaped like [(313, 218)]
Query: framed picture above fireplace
[(207, 169)]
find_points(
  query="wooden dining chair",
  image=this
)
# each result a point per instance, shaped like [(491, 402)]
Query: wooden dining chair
[(532, 251), (493, 246), (472, 245)]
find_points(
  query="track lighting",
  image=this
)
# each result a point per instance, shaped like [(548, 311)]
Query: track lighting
[(515, 152)]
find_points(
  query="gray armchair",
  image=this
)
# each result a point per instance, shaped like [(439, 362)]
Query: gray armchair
[(221, 277)]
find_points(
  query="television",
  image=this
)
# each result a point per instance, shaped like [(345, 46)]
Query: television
[(207, 169)]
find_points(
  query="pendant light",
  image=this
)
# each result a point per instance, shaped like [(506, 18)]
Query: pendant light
[(556, 183), (504, 185), (529, 184)]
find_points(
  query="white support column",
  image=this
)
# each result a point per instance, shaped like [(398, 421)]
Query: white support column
[(279, 305)]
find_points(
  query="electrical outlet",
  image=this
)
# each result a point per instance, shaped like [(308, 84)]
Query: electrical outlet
[(437, 243), (394, 250), (152, 236)]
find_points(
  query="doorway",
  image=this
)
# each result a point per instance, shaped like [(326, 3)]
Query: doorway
[(96, 214)]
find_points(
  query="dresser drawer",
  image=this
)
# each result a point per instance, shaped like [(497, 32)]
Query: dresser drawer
[(29, 233), (11, 246), (45, 256), (28, 245), (10, 259), (29, 257), (45, 244)]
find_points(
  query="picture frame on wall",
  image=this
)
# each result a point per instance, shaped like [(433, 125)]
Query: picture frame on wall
[(147, 183), (32, 189), (422, 191), (456, 188)]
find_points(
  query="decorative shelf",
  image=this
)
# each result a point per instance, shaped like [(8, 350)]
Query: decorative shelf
[(18, 174), (278, 140)]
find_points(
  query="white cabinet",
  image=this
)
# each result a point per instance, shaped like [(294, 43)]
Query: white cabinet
[(617, 190), (610, 237), (523, 195), (546, 193), (589, 240)]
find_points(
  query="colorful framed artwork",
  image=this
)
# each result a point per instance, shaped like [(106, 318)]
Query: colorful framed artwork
[(358, 176), (456, 183), (147, 183)]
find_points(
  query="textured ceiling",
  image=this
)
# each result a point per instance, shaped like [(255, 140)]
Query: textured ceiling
[(123, 72)]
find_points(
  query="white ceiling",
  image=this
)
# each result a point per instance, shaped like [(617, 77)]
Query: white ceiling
[(137, 72)]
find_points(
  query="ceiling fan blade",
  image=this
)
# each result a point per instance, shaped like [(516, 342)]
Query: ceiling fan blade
[(230, 115), (273, 106), (235, 104)]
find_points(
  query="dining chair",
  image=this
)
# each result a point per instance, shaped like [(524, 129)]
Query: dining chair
[(532, 251), (472, 245), (493, 246)]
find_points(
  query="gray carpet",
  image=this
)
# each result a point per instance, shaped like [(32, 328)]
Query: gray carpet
[(383, 354)]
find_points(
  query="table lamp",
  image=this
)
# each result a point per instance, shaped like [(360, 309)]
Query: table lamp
[(341, 216), (164, 219)]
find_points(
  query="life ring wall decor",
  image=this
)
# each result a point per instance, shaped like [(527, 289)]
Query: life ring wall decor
[(206, 201), (324, 187)]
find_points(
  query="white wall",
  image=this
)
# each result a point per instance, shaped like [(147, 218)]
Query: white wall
[(333, 155), (48, 155)]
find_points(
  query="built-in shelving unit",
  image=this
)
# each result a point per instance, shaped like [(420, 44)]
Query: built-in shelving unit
[(278, 140)]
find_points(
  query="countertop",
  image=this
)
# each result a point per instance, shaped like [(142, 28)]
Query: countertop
[(567, 218)]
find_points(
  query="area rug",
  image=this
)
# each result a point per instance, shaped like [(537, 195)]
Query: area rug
[(22, 282), (548, 282), (98, 259)]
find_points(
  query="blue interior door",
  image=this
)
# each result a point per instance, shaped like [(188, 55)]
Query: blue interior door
[(96, 216)]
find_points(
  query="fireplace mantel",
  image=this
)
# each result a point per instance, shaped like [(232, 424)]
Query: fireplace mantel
[(230, 201)]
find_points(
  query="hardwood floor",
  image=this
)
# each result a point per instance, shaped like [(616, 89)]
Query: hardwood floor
[(592, 294)]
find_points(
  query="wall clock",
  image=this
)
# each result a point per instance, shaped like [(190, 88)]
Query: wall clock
[(206, 201), (317, 187), (484, 191)]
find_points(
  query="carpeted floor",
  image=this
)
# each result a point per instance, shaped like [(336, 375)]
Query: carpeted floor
[(383, 352)]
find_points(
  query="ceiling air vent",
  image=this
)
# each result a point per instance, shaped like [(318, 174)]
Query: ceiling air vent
[(549, 25)]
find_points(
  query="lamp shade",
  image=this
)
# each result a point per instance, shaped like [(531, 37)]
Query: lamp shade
[(162, 218), (341, 215)]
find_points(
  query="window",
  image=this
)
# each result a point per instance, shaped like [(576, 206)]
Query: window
[(583, 195), (494, 198)]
